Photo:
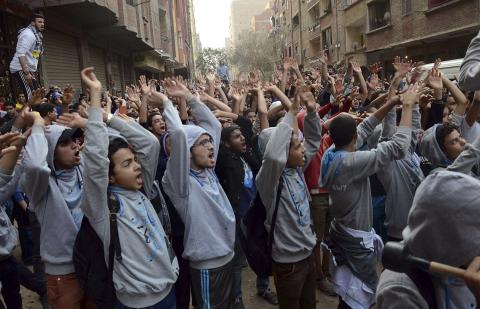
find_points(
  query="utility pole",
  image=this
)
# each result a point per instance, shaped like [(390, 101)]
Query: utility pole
[(300, 24)]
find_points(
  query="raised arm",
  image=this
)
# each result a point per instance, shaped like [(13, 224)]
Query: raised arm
[(95, 153), (311, 128), (469, 78)]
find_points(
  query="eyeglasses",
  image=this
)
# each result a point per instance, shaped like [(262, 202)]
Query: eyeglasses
[(205, 142)]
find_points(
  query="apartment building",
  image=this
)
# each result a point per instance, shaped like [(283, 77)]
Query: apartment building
[(375, 30), (121, 38), (241, 13)]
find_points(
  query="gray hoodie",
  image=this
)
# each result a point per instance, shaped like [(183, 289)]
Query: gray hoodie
[(467, 162), (430, 149), (293, 238), (345, 174), (442, 227), (197, 195), (400, 178), (8, 233), (147, 272), (469, 78), (54, 197)]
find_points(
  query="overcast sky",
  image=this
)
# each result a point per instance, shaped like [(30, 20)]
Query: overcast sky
[(212, 21)]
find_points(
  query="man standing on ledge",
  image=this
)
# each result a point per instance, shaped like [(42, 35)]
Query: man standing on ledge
[(23, 68)]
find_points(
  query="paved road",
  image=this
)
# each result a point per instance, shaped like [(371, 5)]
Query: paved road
[(250, 298)]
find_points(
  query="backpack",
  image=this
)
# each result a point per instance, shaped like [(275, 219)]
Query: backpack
[(256, 242), (94, 277)]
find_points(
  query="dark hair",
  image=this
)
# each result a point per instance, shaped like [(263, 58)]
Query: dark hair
[(150, 118), (9, 103), (36, 15), (45, 108), (342, 130), (114, 146), (442, 131), (227, 133), (246, 112)]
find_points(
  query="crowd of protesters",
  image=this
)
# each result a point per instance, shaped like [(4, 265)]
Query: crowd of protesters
[(156, 184)]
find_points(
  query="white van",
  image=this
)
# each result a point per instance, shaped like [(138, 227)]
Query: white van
[(449, 68)]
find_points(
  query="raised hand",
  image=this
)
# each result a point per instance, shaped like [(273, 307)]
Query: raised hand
[(375, 68), (144, 87), (401, 67), (176, 89), (90, 80), (287, 63), (308, 100), (323, 58), (132, 95), (412, 95), (434, 79), (72, 120), (38, 97), (356, 67), (68, 95)]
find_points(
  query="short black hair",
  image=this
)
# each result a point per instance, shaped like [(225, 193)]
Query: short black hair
[(45, 108), (36, 15), (247, 111), (442, 131), (150, 118), (342, 130), (114, 146), (9, 103)]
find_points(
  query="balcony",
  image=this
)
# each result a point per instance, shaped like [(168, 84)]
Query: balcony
[(378, 14)]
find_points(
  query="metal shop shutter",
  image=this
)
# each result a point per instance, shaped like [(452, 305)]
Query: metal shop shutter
[(97, 60), (61, 60)]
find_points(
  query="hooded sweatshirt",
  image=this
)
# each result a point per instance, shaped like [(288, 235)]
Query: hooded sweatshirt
[(8, 233), (442, 227), (469, 77), (198, 196), (345, 174), (400, 178), (293, 238), (467, 162), (147, 271), (55, 197)]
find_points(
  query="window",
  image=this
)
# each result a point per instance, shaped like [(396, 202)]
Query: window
[(327, 38), (406, 7), (295, 21), (378, 14), (435, 3), (326, 6), (347, 3), (131, 2)]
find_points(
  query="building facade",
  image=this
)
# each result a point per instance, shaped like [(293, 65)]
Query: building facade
[(121, 38), (375, 30), (241, 13)]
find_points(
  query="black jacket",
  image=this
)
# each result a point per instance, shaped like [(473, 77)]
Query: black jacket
[(230, 173)]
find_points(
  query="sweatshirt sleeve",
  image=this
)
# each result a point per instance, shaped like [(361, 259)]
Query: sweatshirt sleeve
[(146, 147), (366, 163), (389, 125), (37, 173), (9, 183), (469, 77), (275, 158), (365, 129), (175, 180), (313, 136), (26, 41), (206, 120), (96, 163), (467, 159)]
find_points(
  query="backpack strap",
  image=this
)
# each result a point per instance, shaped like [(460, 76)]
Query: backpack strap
[(424, 284), (114, 248), (274, 218)]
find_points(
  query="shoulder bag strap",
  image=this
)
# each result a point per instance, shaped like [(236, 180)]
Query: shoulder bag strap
[(114, 248), (274, 217)]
